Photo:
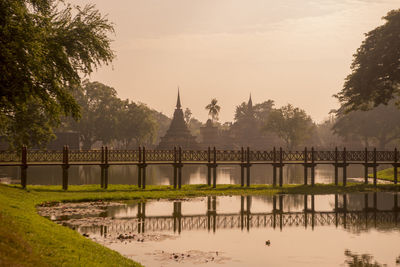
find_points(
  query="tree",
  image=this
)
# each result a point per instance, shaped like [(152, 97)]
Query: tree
[(291, 124), (135, 123), (43, 52), (375, 70), (213, 109), (187, 115), (249, 120), (378, 126), (100, 107)]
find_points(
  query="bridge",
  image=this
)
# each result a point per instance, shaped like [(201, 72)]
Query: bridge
[(178, 158), (363, 219)]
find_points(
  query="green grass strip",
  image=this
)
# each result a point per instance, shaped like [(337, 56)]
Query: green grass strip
[(386, 174), (27, 239)]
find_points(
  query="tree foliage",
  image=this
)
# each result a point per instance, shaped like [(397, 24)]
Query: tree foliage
[(99, 106), (375, 71), (43, 52), (378, 126), (187, 115), (136, 125), (291, 124), (213, 109)]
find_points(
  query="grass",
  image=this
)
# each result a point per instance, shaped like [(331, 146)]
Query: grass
[(27, 239), (386, 174)]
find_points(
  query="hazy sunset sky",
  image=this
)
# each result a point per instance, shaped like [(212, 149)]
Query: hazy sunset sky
[(290, 51)]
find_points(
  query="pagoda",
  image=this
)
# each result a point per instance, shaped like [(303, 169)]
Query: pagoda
[(178, 135)]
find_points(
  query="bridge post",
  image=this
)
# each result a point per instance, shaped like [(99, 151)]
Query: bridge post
[(144, 168), (336, 166), (305, 210), (280, 167), (305, 202), (312, 212), (366, 202), (102, 168), (374, 168), (140, 168), (65, 168), (305, 166), (175, 169), (248, 211), (344, 210), (366, 167), (241, 212), (180, 168), (312, 167), (141, 215), (336, 210), (215, 168), (280, 212), (211, 211), (106, 167), (177, 215), (395, 165), (274, 210), (209, 167), (24, 166), (248, 168), (242, 168), (344, 167), (274, 169)]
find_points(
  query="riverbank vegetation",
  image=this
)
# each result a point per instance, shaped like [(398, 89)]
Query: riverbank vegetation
[(30, 240), (386, 174)]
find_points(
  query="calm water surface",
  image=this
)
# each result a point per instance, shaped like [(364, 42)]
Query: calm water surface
[(163, 175), (233, 230)]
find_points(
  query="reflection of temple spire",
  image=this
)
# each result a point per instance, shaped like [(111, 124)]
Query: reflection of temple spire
[(178, 101)]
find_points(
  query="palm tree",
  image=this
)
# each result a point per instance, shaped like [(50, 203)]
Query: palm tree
[(213, 109)]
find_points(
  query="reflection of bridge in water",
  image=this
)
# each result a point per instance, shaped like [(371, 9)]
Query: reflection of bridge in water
[(365, 218)]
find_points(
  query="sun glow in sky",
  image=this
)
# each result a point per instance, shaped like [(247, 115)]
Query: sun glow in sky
[(290, 51)]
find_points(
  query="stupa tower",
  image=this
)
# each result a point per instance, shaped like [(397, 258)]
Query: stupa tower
[(178, 134)]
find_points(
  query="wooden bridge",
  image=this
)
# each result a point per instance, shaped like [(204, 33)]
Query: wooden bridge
[(364, 218), (245, 158)]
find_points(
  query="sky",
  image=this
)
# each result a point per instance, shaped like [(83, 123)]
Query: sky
[(290, 51)]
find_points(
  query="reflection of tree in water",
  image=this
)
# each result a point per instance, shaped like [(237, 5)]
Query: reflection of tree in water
[(363, 260)]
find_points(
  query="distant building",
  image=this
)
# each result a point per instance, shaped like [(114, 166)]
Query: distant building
[(178, 134)]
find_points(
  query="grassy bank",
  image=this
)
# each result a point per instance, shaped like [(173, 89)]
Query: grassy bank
[(27, 239), (386, 174)]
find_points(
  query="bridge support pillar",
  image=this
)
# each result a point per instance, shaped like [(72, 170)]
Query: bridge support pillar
[(65, 177), (242, 175), (24, 166), (209, 175)]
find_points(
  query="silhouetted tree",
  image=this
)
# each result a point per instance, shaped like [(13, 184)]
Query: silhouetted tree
[(187, 115), (44, 50), (213, 109), (378, 126), (135, 125), (375, 71), (99, 108), (291, 124)]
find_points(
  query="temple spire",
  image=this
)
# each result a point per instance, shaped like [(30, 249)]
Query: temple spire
[(250, 103), (178, 101)]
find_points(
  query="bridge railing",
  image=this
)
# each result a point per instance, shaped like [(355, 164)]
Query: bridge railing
[(10, 156), (92, 156)]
